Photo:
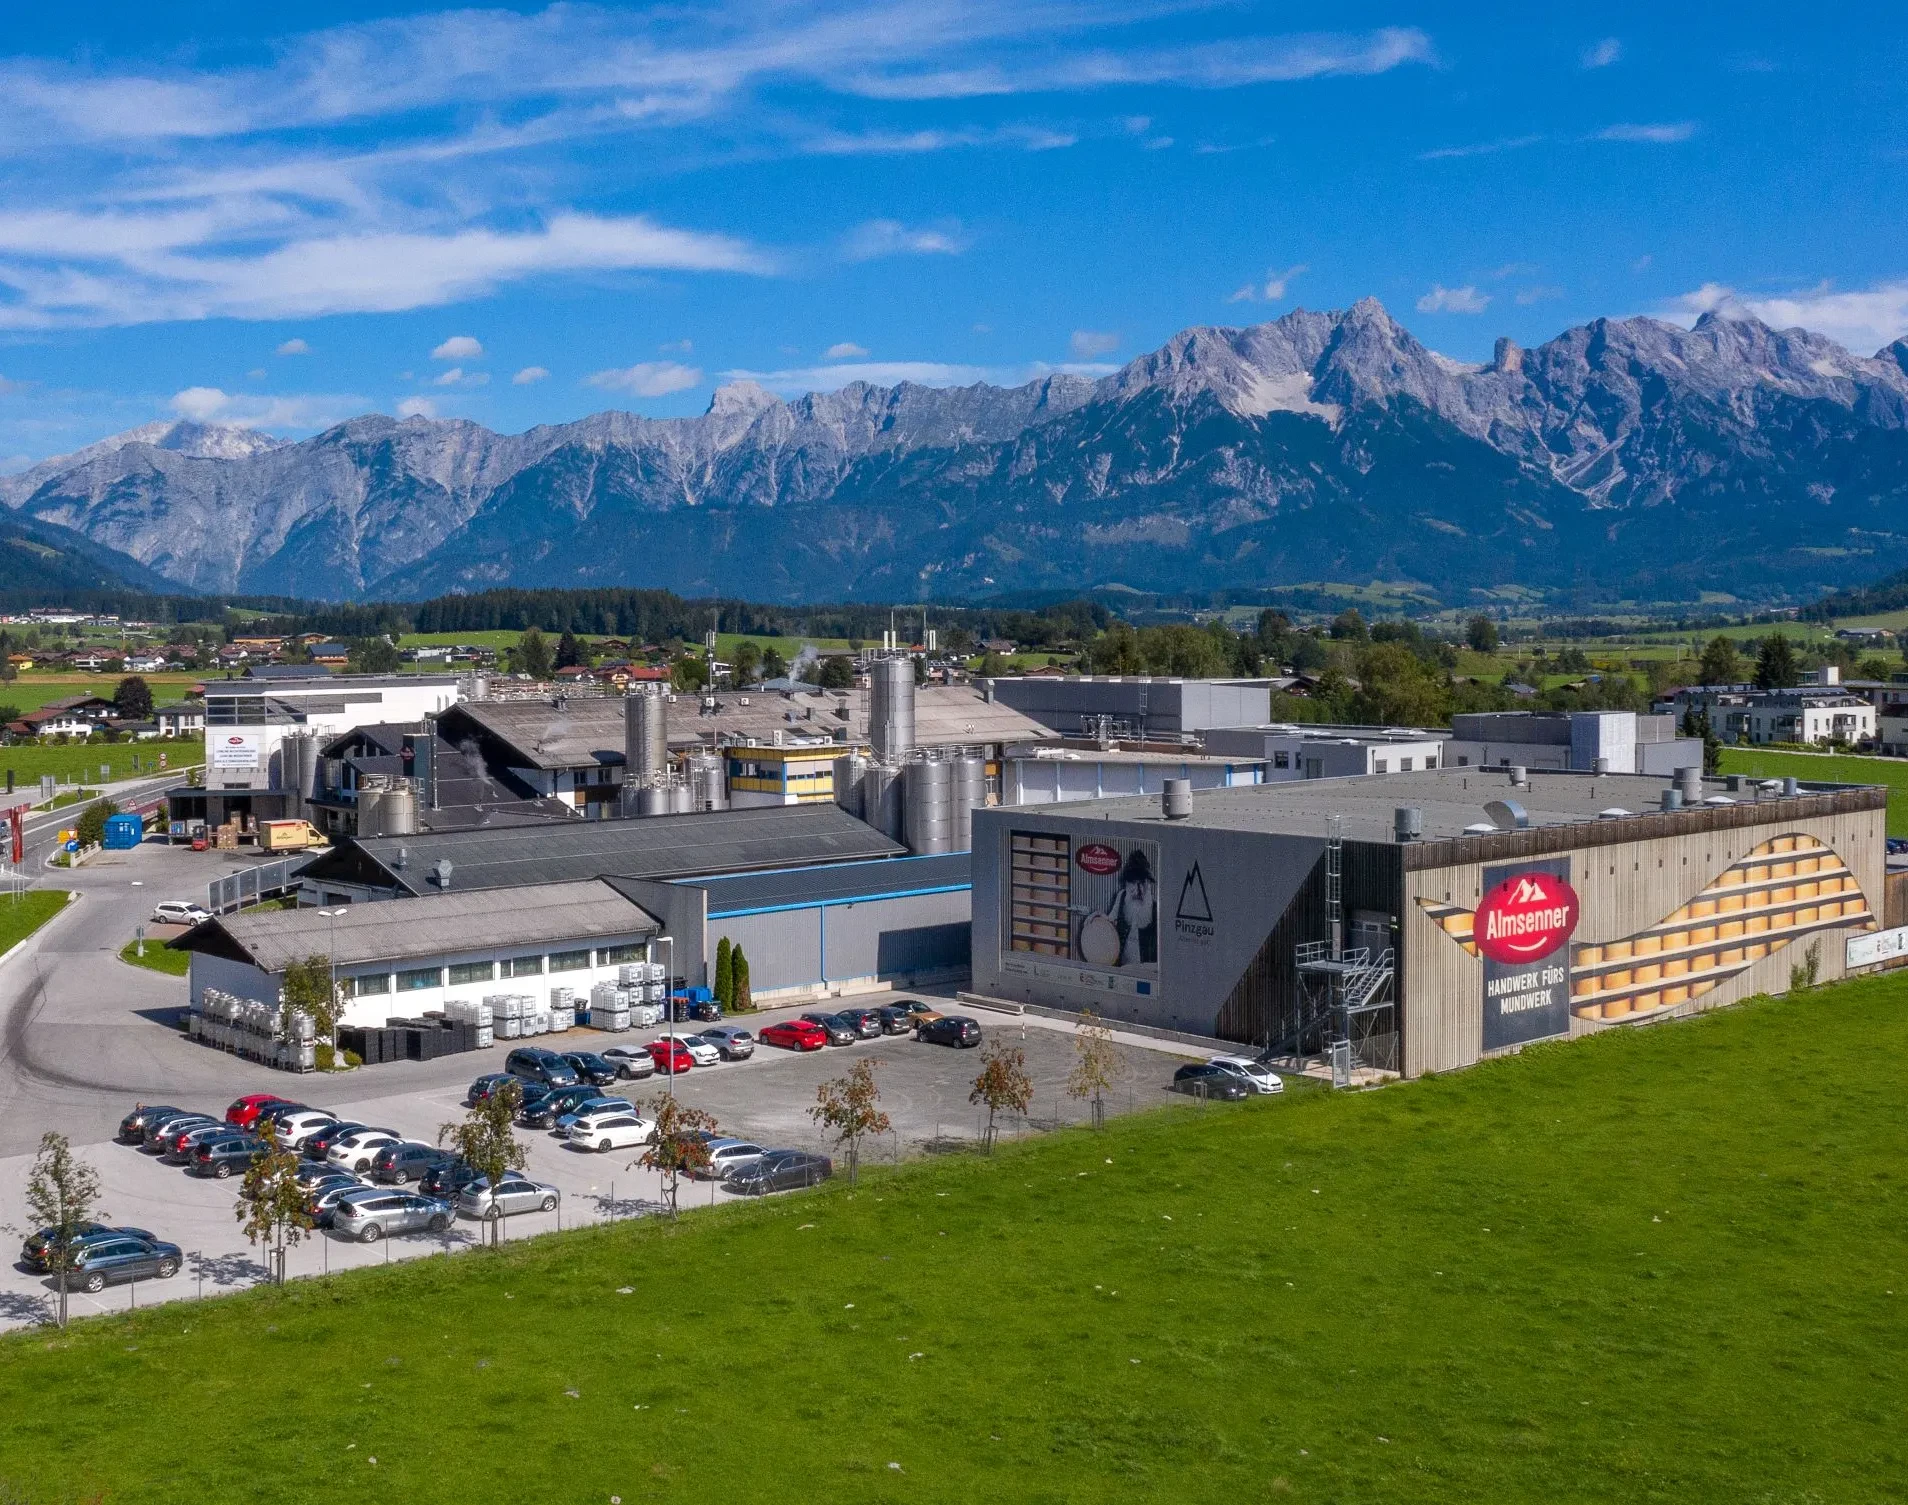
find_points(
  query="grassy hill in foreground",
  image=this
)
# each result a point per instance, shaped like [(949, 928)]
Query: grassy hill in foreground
[(1663, 1264)]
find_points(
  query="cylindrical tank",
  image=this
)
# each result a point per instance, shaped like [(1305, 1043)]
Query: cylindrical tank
[(708, 782), (881, 799), (682, 799), (298, 763), (891, 708), (400, 811), (653, 799), (371, 811), (970, 794), (930, 806), (850, 770), (645, 738)]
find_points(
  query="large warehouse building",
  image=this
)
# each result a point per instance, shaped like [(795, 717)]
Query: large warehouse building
[(1430, 919)]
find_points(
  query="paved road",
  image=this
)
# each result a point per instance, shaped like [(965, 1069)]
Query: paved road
[(83, 1036)]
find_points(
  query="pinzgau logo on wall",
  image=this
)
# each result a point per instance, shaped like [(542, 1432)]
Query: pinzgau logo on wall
[(1525, 918), (1098, 858)]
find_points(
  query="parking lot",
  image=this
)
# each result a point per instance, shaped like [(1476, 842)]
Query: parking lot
[(88, 1036)]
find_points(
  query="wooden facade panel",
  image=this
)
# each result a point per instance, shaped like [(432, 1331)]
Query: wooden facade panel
[(1623, 889)]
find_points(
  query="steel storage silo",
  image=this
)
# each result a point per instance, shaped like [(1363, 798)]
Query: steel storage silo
[(645, 738), (881, 800), (682, 799), (708, 782), (653, 799), (891, 708), (930, 805), (970, 794), (298, 768), (850, 770), (400, 811), (371, 811)]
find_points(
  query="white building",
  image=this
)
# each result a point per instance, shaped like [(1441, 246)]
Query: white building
[(1322, 751), (247, 720), (1622, 741), (1806, 715), (1041, 773)]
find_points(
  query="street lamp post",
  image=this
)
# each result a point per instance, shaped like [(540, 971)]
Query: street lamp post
[(332, 958)]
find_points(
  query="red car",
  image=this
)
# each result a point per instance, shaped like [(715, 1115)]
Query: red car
[(671, 1056), (245, 1111), (795, 1034)]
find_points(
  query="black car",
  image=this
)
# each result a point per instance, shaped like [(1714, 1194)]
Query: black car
[(319, 1145), (838, 1029), (401, 1164), (447, 1178), (488, 1085), (277, 1113), (312, 1173), (781, 1170), (179, 1147), (33, 1252), (104, 1260), (543, 1112), (951, 1029), (545, 1066), (591, 1068), (1210, 1082), (895, 1020), (132, 1128), (222, 1157), (867, 1022)]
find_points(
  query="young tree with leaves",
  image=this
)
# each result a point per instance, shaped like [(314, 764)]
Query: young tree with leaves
[(132, 699), (487, 1139), (62, 1196), (774, 666), (850, 1106), (745, 662), (1003, 1083), (1776, 666), (373, 655), (309, 986), (1096, 1064), (272, 1210), (91, 826), (681, 1145), (569, 652), (836, 672), (725, 974), (1720, 663), (1480, 633), (532, 655), (741, 1001)]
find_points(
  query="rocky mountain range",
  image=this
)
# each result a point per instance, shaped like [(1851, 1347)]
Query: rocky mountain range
[(1623, 459)]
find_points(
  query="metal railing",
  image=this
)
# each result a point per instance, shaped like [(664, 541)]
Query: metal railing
[(253, 885)]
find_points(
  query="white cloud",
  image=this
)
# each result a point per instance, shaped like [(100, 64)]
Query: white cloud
[(1480, 148), (1863, 320), (1453, 300), (676, 347), (1156, 143), (459, 347), (457, 376), (1604, 53), (293, 347), (893, 143), (528, 375), (845, 350), (1529, 295), (889, 237), (1272, 290), (238, 410), (647, 378), (1642, 263), (417, 407), (1087, 343), (1665, 133)]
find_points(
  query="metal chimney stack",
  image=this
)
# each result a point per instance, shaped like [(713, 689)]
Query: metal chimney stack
[(1175, 799)]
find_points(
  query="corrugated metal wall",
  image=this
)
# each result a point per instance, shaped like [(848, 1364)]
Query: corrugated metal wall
[(820, 947)]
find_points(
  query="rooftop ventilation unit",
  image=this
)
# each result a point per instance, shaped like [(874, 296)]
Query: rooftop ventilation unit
[(441, 872), (1508, 815)]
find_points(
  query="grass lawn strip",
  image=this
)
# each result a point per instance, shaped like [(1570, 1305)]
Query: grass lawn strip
[(1831, 768), (20, 917), (1652, 1265), (158, 958)]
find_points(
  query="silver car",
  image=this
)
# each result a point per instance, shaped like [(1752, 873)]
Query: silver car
[(516, 1194), (730, 1157), (735, 1042), (373, 1214), (1255, 1074)]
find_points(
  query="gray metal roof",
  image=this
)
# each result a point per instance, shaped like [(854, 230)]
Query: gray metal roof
[(434, 926), (588, 730), (660, 846), (1450, 799), (844, 883)]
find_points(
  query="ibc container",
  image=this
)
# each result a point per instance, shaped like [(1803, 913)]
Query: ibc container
[(507, 1029), (562, 1019), (483, 1037)]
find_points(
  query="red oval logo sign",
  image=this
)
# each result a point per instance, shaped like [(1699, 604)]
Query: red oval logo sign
[(1525, 918), (1099, 858)]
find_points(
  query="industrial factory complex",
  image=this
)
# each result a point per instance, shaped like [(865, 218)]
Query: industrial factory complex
[(1363, 899)]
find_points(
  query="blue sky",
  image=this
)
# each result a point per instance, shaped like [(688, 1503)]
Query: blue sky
[(285, 215)]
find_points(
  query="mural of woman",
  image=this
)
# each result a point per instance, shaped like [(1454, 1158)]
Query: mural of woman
[(1134, 911)]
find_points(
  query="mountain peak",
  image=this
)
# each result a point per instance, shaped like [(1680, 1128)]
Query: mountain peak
[(741, 397)]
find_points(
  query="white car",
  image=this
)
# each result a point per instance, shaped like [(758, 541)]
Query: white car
[(611, 1129), (179, 912), (1255, 1074), (702, 1052), (295, 1128), (355, 1152)]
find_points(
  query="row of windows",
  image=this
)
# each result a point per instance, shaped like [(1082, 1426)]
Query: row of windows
[(463, 974)]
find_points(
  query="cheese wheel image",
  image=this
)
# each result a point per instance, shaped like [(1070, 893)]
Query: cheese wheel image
[(1099, 941)]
